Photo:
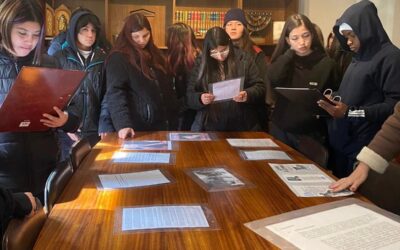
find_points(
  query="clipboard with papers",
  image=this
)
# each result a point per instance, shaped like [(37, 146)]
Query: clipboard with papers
[(36, 91), (305, 97)]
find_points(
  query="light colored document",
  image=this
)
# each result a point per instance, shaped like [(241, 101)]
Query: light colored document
[(159, 217), (350, 227), (306, 180), (251, 142), (147, 145), (136, 157), (227, 89), (265, 155), (138, 179)]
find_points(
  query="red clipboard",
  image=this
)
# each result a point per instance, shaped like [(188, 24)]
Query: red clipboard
[(35, 92)]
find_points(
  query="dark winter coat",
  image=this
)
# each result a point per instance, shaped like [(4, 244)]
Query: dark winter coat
[(26, 158), (186, 115), (87, 103), (137, 102), (316, 70), (228, 115)]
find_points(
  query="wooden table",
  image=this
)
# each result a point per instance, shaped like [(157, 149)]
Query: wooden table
[(85, 217)]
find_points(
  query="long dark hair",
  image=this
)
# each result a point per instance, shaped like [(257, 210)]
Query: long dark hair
[(182, 48), (141, 59), (291, 23), (245, 42), (20, 11), (215, 37)]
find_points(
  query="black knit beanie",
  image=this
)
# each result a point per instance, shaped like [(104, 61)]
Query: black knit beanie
[(235, 14)]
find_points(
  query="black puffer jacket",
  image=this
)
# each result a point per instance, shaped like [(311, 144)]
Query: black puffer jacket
[(136, 102), (228, 115), (26, 159), (87, 103)]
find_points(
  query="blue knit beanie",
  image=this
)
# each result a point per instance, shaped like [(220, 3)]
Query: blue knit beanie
[(235, 15)]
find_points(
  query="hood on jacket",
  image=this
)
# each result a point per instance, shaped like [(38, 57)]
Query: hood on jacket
[(71, 34), (363, 19)]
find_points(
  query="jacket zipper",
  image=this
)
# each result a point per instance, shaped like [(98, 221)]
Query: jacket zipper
[(84, 91), (16, 67), (148, 112)]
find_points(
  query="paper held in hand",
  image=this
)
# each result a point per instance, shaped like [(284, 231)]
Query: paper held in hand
[(226, 90)]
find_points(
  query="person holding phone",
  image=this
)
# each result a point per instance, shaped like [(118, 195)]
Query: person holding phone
[(370, 87)]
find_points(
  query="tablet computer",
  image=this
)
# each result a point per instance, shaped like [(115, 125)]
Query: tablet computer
[(305, 97)]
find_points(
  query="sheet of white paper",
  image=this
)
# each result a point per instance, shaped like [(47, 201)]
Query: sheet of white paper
[(158, 217), (138, 179), (147, 145), (351, 227), (251, 142), (225, 90), (136, 157), (266, 155), (306, 180)]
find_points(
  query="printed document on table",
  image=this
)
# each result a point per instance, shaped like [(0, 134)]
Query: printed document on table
[(147, 145), (227, 89), (306, 180), (139, 157), (158, 217), (251, 142), (265, 155), (138, 179), (350, 227)]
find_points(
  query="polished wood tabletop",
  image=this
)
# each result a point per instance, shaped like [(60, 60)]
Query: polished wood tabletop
[(85, 217)]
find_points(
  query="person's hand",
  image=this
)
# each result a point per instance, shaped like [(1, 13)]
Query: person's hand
[(103, 135), (207, 98), (73, 136), (55, 121), (125, 133), (338, 110), (353, 181), (33, 202), (241, 97)]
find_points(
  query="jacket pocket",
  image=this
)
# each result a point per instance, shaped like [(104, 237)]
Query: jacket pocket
[(144, 110), (148, 113)]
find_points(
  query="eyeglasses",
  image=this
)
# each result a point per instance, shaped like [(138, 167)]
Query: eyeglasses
[(216, 53), (329, 92)]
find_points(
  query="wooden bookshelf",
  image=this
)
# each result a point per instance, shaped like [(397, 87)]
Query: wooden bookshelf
[(162, 13)]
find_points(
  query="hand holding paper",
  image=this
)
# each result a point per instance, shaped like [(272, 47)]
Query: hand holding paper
[(207, 98), (241, 97), (228, 89)]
